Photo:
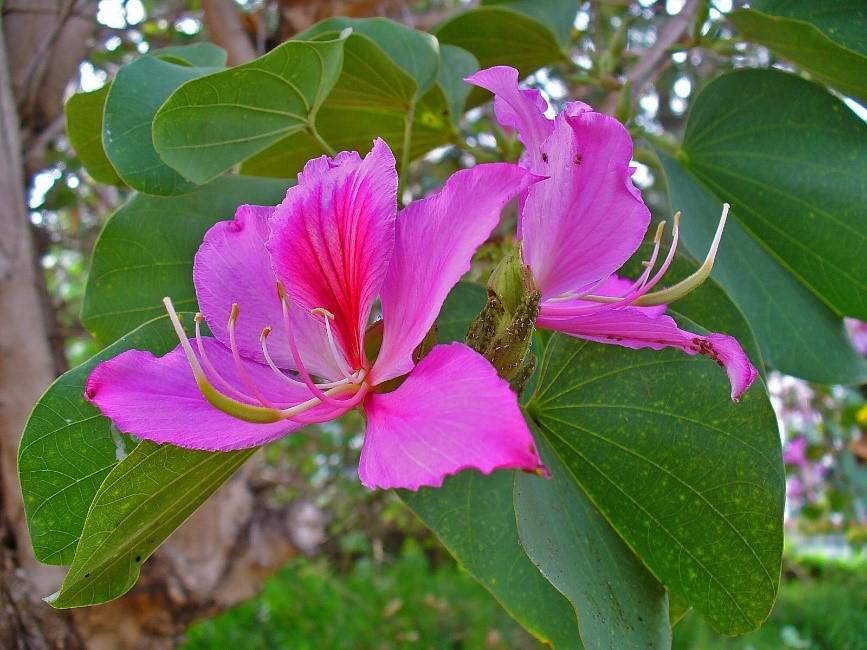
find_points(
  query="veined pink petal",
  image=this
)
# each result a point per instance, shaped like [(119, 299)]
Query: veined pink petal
[(522, 110), (587, 219), (638, 327), (156, 398), (436, 238), (452, 413), (331, 239), (232, 266)]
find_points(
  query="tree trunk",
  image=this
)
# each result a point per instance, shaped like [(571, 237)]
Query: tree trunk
[(237, 539)]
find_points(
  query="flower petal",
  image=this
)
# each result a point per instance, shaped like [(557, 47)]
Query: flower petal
[(436, 238), (588, 218), (638, 327), (332, 237), (522, 110), (232, 266), (156, 398), (452, 413)]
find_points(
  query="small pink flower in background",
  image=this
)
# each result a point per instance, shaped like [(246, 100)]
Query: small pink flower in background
[(858, 333), (585, 221), (796, 453), (288, 291)]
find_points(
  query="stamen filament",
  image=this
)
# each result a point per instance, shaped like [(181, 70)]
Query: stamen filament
[(239, 365), (335, 354), (296, 355), (210, 366), (692, 282), (240, 410), (291, 380)]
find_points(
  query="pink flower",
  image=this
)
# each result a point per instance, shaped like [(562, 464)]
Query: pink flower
[(796, 453), (585, 221), (288, 291)]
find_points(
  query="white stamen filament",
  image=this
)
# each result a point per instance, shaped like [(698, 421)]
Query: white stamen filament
[(353, 379), (210, 366), (251, 412), (335, 353), (239, 365)]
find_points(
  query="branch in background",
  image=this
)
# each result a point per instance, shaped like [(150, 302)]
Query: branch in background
[(224, 25), (642, 73)]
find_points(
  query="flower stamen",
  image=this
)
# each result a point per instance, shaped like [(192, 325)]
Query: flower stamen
[(239, 365), (335, 353), (291, 380), (210, 366)]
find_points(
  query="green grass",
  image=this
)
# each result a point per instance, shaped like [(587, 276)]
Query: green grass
[(399, 604), (407, 602)]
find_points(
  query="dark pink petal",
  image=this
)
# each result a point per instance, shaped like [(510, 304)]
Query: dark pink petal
[(587, 219), (522, 110), (452, 413), (331, 239), (637, 327), (233, 266), (156, 398), (435, 241)]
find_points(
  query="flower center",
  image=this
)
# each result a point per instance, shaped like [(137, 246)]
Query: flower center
[(257, 407)]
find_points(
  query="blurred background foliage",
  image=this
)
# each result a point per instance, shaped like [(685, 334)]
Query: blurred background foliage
[(379, 579)]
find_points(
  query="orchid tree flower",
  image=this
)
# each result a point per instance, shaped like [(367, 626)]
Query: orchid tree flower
[(586, 220), (288, 291)]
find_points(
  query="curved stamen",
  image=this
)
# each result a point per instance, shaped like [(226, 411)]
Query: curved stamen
[(296, 355), (239, 365), (210, 366), (240, 410), (291, 380), (692, 282), (335, 353), (360, 392)]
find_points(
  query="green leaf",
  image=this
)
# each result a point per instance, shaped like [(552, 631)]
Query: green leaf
[(474, 518), (461, 307), (136, 263), (692, 481), (825, 39), (372, 98), (202, 55), (84, 116), (414, 51), (216, 121), (790, 156), (798, 334), (619, 603), (137, 92), (68, 448), (455, 64), (141, 502), (501, 36), (556, 15)]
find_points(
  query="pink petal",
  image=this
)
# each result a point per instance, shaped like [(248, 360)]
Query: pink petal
[(435, 241), (522, 110), (587, 219), (332, 237), (452, 413), (232, 266), (637, 327), (156, 398)]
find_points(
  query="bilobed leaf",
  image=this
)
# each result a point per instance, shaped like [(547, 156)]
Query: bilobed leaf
[(136, 93), (455, 65), (211, 123), (474, 518), (498, 35), (461, 307), (691, 481), (68, 448), (145, 252), (84, 116), (619, 603), (827, 39), (142, 501), (790, 156), (793, 255)]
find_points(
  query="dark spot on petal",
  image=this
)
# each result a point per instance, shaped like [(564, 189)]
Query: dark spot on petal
[(544, 157), (578, 159), (91, 393)]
